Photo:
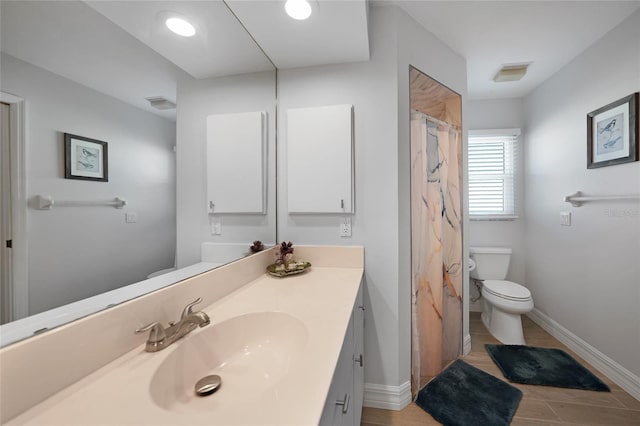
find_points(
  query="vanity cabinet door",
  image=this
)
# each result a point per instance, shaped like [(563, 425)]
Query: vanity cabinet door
[(339, 406), (358, 357), (343, 406)]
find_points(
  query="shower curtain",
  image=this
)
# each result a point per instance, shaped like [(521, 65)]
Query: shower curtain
[(436, 246)]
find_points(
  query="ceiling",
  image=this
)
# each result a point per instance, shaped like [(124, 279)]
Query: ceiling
[(76, 42), (123, 49), (138, 58), (220, 46), (337, 31), (489, 34)]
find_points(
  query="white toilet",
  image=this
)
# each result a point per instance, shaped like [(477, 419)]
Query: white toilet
[(504, 301)]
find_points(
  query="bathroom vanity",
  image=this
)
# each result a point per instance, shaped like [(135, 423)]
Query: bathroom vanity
[(343, 405), (288, 350)]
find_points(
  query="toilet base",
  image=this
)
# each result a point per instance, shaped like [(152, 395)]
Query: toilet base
[(504, 326)]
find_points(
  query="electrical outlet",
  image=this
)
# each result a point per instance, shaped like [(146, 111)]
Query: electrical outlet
[(131, 217), (345, 227), (216, 226), (565, 218)]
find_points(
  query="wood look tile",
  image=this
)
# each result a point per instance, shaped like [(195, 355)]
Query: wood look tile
[(576, 396), (528, 422), (411, 415), (590, 415), (540, 405), (627, 400), (491, 369), (535, 410), (424, 380)]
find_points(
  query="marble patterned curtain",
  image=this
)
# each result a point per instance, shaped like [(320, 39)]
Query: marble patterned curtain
[(436, 240)]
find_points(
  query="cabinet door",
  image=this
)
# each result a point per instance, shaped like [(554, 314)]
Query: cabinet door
[(319, 159), (339, 409), (236, 163), (358, 355)]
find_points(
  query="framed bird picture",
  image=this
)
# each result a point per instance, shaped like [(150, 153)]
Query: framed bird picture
[(612, 133), (85, 158)]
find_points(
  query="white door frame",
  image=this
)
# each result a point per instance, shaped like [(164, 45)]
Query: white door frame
[(19, 206)]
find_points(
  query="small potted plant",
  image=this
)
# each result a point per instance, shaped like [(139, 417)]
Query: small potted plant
[(284, 254)]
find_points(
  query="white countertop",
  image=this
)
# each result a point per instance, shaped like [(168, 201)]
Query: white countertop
[(119, 393)]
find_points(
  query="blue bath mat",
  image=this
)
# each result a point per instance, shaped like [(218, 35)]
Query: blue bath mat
[(462, 395), (543, 366)]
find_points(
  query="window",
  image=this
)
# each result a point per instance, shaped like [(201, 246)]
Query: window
[(492, 156)]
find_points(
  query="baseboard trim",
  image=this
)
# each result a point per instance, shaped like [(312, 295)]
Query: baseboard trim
[(614, 371), (387, 397), (466, 345)]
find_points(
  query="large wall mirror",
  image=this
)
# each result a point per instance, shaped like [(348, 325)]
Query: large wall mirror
[(112, 71)]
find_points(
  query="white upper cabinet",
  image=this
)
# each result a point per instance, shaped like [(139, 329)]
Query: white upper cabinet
[(236, 163), (320, 159)]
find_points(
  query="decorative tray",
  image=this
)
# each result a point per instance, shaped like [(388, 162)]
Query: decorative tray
[(299, 268)]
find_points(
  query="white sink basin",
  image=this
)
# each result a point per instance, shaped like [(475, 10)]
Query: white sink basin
[(250, 352)]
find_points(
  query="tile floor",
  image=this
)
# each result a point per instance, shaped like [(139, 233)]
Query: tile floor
[(540, 405)]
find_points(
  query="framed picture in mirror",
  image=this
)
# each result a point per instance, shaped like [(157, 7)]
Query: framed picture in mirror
[(85, 158), (612, 133)]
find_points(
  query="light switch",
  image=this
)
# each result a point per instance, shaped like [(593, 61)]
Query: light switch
[(565, 218)]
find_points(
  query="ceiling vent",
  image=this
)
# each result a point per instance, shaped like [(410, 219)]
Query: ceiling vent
[(511, 73), (159, 102)]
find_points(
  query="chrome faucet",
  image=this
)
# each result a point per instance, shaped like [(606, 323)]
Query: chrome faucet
[(160, 337)]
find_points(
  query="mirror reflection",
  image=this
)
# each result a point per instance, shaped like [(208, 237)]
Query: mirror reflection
[(179, 127)]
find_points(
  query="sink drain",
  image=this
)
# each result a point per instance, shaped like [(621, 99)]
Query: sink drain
[(208, 385)]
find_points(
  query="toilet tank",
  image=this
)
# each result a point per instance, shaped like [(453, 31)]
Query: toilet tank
[(492, 263)]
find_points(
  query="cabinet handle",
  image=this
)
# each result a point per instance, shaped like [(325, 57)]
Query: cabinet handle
[(359, 360), (362, 307), (345, 403)]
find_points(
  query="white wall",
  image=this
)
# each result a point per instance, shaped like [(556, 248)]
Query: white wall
[(585, 277), (196, 100), (77, 252), (379, 91), (501, 114), (371, 88)]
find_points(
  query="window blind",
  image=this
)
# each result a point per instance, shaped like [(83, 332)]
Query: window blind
[(492, 161)]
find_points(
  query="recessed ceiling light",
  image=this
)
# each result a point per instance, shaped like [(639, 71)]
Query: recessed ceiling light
[(180, 27), (298, 9)]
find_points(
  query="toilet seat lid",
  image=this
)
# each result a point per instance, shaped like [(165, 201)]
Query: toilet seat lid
[(506, 289)]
